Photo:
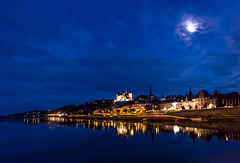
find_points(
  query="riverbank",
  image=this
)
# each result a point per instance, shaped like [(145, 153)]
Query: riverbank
[(218, 114), (142, 118)]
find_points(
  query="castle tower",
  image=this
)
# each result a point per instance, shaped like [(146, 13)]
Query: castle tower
[(130, 96)]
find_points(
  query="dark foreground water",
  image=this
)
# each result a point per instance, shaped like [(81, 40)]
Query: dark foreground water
[(68, 140)]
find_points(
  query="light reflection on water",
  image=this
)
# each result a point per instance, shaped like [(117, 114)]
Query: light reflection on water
[(204, 130), (58, 139)]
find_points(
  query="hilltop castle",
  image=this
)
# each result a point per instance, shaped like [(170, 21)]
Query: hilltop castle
[(124, 96)]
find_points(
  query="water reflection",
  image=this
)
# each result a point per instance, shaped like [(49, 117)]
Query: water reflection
[(31, 120), (203, 130)]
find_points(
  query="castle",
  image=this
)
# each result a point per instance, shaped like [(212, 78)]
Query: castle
[(124, 96)]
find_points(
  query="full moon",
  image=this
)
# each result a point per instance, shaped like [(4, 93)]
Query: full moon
[(191, 26)]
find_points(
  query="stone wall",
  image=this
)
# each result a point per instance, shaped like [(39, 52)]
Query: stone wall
[(208, 112)]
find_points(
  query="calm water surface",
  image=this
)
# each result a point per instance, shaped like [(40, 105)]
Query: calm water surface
[(68, 140)]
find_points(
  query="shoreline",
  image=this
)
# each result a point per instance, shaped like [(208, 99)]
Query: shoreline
[(218, 115), (219, 118)]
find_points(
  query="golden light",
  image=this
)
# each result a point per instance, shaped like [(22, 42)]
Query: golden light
[(132, 132), (175, 129)]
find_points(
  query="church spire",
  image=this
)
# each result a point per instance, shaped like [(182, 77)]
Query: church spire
[(150, 91), (190, 95)]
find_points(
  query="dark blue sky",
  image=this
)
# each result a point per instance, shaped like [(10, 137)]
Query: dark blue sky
[(58, 52)]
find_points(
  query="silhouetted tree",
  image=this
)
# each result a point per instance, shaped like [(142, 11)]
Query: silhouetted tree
[(133, 110), (148, 107), (205, 105)]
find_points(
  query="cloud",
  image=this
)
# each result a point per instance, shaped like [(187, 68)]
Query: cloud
[(190, 26)]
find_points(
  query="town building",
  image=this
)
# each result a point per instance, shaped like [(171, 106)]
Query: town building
[(132, 108), (141, 99), (228, 99), (186, 104), (205, 100), (202, 100), (191, 101), (159, 99)]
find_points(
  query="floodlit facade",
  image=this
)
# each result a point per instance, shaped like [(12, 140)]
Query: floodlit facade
[(124, 96), (205, 100), (133, 108), (200, 101)]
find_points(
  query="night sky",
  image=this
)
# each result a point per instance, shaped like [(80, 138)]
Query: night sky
[(61, 52)]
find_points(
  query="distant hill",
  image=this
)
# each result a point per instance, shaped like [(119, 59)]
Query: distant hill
[(86, 108)]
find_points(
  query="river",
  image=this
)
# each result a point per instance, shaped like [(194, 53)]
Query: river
[(56, 139)]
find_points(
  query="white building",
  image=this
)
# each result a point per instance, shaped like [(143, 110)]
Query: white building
[(124, 96), (203, 100)]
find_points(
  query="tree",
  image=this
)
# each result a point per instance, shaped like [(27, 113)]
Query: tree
[(180, 97), (156, 107), (205, 105), (196, 106), (190, 107), (148, 107), (183, 108)]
